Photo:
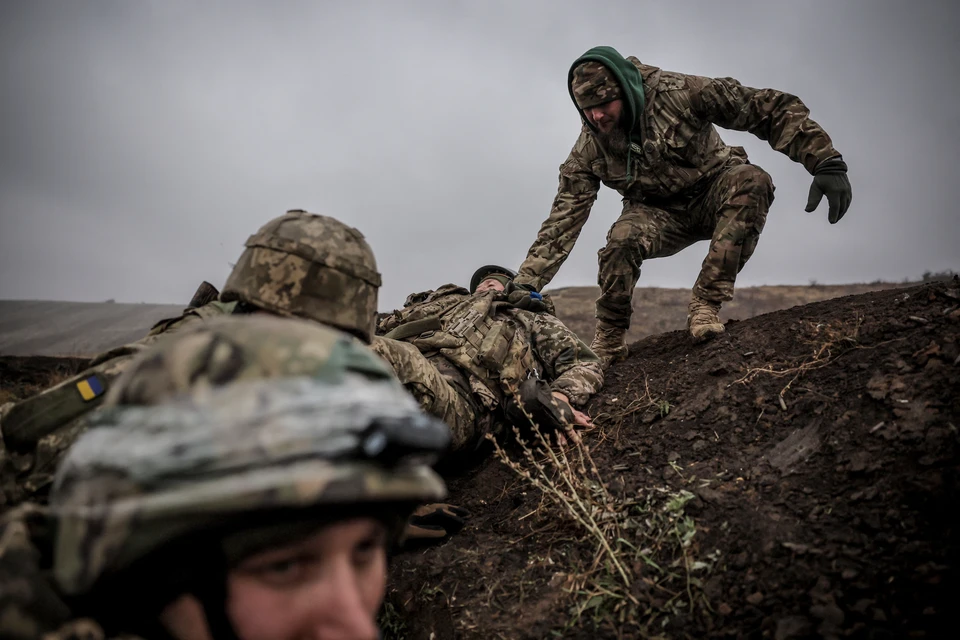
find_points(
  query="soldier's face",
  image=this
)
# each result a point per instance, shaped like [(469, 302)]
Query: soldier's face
[(490, 284), (605, 117), (328, 585)]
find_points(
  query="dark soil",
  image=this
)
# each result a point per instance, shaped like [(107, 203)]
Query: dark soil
[(835, 511), (21, 377)]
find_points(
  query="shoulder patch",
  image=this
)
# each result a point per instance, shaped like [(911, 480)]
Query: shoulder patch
[(90, 388), (33, 418)]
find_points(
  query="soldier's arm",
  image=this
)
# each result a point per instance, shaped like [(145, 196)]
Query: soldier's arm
[(775, 116), (571, 367), (559, 232), (30, 606), (191, 315)]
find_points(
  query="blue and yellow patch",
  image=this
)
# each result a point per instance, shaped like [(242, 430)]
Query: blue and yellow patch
[(90, 388)]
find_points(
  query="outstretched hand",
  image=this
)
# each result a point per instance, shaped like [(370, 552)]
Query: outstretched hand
[(524, 297), (830, 179), (580, 419)]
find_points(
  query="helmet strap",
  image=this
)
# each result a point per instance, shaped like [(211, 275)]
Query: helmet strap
[(210, 589)]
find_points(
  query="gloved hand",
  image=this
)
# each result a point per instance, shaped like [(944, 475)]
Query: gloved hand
[(830, 179), (435, 521), (524, 297)]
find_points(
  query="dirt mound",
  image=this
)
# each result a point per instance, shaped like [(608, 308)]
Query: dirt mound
[(658, 310), (796, 477)]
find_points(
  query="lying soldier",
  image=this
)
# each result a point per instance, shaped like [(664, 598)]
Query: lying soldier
[(479, 362)]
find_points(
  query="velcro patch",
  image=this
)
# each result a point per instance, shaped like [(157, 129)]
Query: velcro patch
[(90, 388)]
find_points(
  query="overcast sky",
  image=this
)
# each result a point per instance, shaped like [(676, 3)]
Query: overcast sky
[(141, 142)]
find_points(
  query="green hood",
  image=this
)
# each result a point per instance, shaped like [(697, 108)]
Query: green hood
[(631, 84)]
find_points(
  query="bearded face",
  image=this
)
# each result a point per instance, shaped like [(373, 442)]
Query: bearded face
[(616, 141), (610, 126)]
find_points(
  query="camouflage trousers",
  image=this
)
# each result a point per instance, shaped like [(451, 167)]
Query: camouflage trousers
[(730, 213), (435, 393)]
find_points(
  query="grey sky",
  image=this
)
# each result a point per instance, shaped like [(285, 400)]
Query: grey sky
[(142, 142)]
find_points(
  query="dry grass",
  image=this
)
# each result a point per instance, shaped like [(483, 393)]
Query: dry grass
[(645, 566), (827, 342)]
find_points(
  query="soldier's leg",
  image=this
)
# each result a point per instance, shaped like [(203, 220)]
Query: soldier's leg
[(737, 205), (641, 232), (435, 395)]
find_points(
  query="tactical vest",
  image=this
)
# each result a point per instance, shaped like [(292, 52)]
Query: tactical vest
[(472, 335)]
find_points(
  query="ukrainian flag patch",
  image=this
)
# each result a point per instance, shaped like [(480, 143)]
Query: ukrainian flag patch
[(90, 388)]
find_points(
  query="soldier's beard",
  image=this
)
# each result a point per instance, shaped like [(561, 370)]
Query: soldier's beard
[(616, 142)]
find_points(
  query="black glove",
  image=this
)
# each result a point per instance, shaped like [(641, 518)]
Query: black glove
[(435, 522), (522, 296), (830, 179)]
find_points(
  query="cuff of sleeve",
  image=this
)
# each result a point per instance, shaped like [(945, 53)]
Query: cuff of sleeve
[(577, 399), (527, 283), (833, 164)]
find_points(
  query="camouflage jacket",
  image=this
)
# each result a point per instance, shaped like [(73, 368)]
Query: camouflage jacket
[(497, 346), (38, 430), (680, 154)]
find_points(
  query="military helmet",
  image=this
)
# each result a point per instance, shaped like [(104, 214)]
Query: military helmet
[(143, 478), (231, 349), (311, 266), (487, 271)]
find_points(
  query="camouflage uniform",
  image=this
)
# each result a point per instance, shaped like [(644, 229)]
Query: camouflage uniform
[(250, 427), (465, 368), (298, 265), (680, 183)]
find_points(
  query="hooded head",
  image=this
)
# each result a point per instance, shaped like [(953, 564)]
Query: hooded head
[(602, 75), (592, 84)]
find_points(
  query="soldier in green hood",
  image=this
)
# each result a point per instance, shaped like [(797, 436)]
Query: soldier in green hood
[(650, 134)]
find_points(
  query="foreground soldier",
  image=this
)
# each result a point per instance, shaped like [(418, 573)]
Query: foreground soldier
[(478, 362), (244, 479), (650, 135), (297, 265)]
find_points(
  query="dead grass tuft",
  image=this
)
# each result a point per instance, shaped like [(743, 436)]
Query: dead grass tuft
[(646, 565)]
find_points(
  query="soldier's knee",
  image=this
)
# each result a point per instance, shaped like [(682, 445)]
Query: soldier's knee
[(623, 244), (624, 231), (756, 181)]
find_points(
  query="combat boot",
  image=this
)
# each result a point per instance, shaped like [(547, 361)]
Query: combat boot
[(704, 319), (609, 344)]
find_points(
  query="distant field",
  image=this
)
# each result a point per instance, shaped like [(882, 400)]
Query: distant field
[(81, 329)]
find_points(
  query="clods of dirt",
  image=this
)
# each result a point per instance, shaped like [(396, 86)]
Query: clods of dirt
[(816, 453)]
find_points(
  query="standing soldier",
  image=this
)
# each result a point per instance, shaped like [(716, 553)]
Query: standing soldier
[(477, 361), (650, 135)]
